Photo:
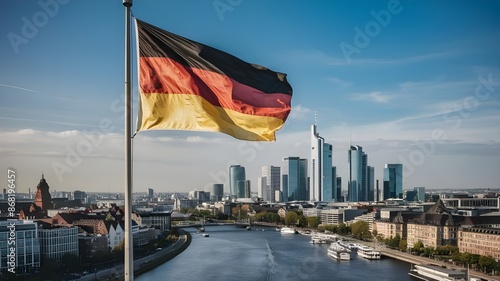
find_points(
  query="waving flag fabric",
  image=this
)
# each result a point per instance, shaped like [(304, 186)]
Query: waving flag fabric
[(185, 85)]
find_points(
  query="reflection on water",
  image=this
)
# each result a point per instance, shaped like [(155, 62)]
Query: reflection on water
[(232, 253)]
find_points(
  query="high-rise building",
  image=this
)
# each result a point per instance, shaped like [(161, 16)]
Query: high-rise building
[(284, 187), (80, 195), (393, 181), (273, 180), (296, 171), (263, 189), (236, 174), (321, 186), (357, 186), (420, 193), (370, 183), (339, 190), (247, 190), (217, 191), (150, 193)]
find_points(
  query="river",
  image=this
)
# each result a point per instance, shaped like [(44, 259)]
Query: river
[(231, 253)]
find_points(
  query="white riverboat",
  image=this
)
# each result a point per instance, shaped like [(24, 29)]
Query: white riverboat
[(368, 253), (288, 230), (338, 252), (437, 273)]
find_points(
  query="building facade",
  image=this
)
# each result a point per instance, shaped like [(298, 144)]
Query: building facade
[(272, 175), (296, 170), (484, 241), (217, 192), (25, 256), (357, 186), (55, 242), (237, 174), (393, 181), (322, 179)]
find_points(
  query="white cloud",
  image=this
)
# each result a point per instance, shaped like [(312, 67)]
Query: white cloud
[(376, 97), (299, 112)]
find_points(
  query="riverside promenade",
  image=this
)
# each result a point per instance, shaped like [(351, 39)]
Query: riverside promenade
[(143, 264), (412, 259)]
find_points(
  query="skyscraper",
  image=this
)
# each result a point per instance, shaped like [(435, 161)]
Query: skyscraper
[(273, 181), (236, 174), (357, 187), (420, 193), (217, 191), (320, 169), (393, 181), (296, 171), (370, 183)]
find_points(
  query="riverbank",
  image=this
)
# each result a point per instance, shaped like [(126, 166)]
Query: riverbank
[(412, 259), (144, 264)]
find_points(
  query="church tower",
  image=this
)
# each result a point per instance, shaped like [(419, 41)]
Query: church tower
[(42, 197)]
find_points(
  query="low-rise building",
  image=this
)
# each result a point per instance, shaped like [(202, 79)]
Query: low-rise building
[(484, 241), (25, 253)]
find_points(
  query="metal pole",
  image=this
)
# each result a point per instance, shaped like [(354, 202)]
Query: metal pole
[(129, 253)]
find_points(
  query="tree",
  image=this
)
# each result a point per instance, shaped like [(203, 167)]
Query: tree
[(71, 263), (313, 222), (291, 218), (360, 230), (418, 246), (403, 244), (487, 263)]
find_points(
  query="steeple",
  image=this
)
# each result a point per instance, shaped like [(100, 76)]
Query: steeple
[(42, 197)]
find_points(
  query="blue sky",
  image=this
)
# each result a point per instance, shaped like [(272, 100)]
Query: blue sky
[(413, 82)]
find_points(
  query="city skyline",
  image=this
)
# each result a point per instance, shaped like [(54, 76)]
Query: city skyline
[(412, 82)]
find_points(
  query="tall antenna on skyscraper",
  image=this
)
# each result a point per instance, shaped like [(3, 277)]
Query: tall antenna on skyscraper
[(350, 140), (315, 117)]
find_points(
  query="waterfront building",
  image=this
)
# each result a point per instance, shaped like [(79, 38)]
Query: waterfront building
[(91, 246), (322, 185), (27, 246), (263, 189), (434, 228), (158, 220), (357, 187), (484, 241), (55, 242), (237, 174), (296, 171), (217, 192), (393, 181), (272, 174)]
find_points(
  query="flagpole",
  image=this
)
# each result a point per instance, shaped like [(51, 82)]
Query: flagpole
[(128, 245)]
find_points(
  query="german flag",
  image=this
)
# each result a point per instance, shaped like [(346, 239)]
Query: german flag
[(185, 85)]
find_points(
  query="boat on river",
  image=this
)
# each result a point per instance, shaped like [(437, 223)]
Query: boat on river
[(288, 230), (368, 253), (338, 252), (437, 273)]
